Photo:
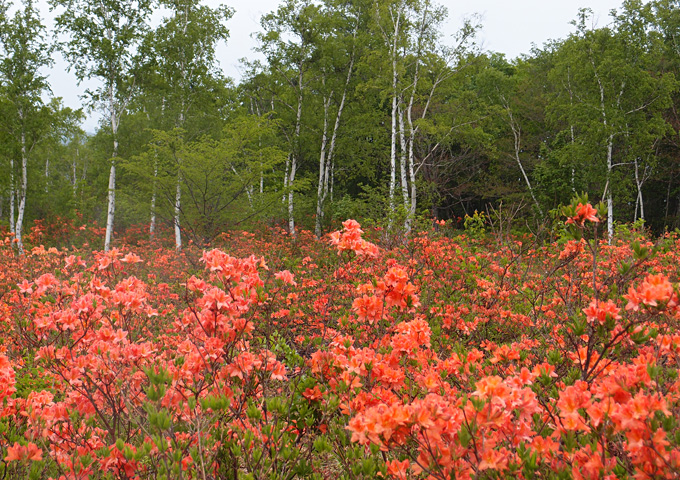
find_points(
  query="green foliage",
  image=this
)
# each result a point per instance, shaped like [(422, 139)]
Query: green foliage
[(475, 225), (225, 183)]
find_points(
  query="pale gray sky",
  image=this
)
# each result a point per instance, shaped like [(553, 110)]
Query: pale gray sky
[(510, 27)]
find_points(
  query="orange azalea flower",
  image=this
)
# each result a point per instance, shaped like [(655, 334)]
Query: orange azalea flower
[(312, 394), (655, 291), (19, 452), (583, 213), (598, 311), (398, 469), (368, 307), (286, 277)]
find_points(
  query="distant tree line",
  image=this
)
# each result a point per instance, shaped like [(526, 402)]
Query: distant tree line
[(360, 108)]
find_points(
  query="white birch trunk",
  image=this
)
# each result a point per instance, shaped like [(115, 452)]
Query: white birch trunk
[(18, 230), (285, 178), (178, 209), (47, 175), (610, 148), (261, 179), (610, 200), (12, 196), (517, 136), (178, 194), (322, 169), (111, 207), (402, 159), (326, 165), (639, 201), (152, 223), (393, 138), (293, 160)]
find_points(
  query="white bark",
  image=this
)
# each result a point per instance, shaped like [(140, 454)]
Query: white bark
[(178, 211), (639, 181), (402, 160), (18, 230), (409, 144), (517, 136), (392, 43), (326, 164), (111, 208), (12, 195), (610, 200), (178, 194), (610, 148), (294, 156), (47, 175), (113, 112), (322, 168)]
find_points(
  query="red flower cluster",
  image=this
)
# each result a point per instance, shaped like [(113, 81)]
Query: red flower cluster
[(350, 240)]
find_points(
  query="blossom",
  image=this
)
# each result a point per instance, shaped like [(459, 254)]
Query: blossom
[(286, 277), (19, 452), (598, 311), (583, 213), (655, 291)]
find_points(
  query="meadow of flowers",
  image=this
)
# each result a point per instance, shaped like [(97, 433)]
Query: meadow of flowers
[(266, 358)]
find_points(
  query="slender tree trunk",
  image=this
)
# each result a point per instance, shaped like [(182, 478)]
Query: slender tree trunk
[(326, 164), (154, 188), (22, 201), (402, 159), (395, 113), (639, 201), (261, 179), (322, 168), (410, 217), (47, 175), (285, 178), (294, 157), (610, 164), (12, 196), (178, 209), (517, 136), (610, 200), (178, 195), (111, 209)]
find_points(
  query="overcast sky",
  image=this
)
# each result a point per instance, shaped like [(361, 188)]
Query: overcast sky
[(510, 27)]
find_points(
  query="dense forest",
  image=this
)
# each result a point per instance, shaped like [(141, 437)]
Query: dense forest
[(360, 108)]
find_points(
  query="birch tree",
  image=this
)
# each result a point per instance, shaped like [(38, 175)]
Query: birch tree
[(615, 96), (431, 65), (419, 63), (181, 51), (502, 88), (287, 42), (102, 38), (25, 53), (338, 51)]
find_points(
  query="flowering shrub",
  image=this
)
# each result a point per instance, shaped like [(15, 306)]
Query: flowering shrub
[(440, 359)]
